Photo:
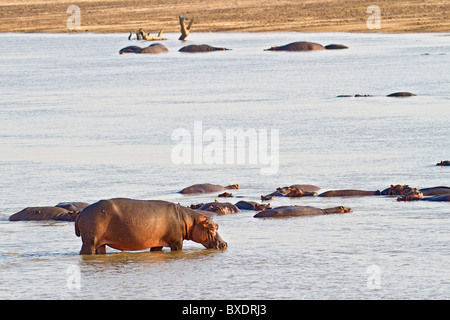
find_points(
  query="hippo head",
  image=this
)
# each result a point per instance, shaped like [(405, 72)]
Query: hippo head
[(345, 210), (339, 209), (205, 232)]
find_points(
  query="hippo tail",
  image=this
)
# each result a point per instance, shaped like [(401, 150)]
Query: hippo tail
[(77, 229)]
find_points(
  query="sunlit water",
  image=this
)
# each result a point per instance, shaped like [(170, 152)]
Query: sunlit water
[(79, 122)]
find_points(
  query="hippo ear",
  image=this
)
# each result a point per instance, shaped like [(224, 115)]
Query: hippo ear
[(203, 221)]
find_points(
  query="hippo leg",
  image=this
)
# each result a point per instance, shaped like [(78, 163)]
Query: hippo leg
[(156, 249), (176, 246), (87, 249), (101, 250)]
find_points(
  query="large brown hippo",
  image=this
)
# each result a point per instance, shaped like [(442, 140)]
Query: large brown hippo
[(443, 163), (44, 213), (193, 48), (221, 208), (207, 188), (153, 48), (295, 211), (349, 193), (127, 224)]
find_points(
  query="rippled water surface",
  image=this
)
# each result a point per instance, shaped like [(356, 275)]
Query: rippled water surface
[(79, 122)]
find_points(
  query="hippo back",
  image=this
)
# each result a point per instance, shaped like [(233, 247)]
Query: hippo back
[(155, 48), (42, 213)]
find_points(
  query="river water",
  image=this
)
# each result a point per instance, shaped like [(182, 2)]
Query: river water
[(79, 122)]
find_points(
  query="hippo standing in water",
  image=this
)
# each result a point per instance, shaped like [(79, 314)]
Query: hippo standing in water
[(153, 48), (296, 211), (44, 213), (127, 224), (193, 48), (207, 188)]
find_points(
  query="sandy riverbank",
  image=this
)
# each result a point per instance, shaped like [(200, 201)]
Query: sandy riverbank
[(215, 15)]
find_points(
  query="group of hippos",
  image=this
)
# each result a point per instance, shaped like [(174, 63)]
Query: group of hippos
[(130, 225), (294, 46), (193, 48)]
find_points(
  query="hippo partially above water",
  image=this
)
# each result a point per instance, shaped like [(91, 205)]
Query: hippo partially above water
[(349, 193), (296, 211), (127, 224), (252, 205), (194, 48), (220, 208), (295, 190), (44, 213), (207, 188), (298, 46), (306, 46), (443, 163), (153, 48), (401, 94)]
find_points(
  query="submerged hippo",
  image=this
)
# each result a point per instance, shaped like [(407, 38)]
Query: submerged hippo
[(252, 205), (415, 194), (397, 190), (401, 94), (298, 46), (295, 211), (73, 206), (44, 213), (153, 48), (349, 193), (435, 191), (207, 188), (127, 224), (445, 197), (220, 208), (335, 46), (193, 48), (295, 190), (443, 163)]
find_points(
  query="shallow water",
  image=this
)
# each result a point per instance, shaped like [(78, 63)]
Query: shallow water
[(79, 122)]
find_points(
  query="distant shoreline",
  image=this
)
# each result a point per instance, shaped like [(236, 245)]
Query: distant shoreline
[(119, 16)]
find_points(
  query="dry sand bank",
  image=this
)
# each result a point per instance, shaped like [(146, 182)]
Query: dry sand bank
[(234, 15)]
